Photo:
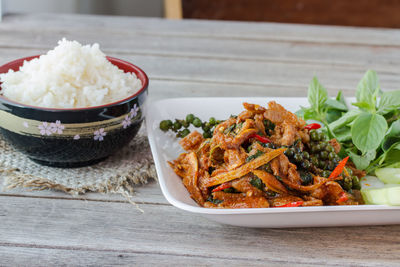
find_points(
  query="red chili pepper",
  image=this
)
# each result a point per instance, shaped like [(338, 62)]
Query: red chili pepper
[(222, 187), (343, 197), (262, 139), (292, 204), (312, 126), (339, 168)]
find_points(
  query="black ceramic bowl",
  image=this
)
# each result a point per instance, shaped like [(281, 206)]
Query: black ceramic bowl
[(73, 137)]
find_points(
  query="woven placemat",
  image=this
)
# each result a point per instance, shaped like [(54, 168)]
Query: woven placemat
[(117, 174)]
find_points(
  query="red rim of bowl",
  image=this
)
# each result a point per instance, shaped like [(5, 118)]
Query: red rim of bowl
[(127, 67)]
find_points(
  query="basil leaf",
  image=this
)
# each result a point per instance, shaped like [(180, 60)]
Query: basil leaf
[(334, 104), (392, 136), (317, 95), (362, 162), (392, 155), (340, 98), (345, 119), (307, 114), (367, 86), (333, 115), (367, 90), (256, 155), (257, 183), (389, 101), (343, 134), (368, 131)]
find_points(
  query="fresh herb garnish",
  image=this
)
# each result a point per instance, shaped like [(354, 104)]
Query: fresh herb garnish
[(229, 129), (214, 201), (257, 183), (370, 134), (256, 155)]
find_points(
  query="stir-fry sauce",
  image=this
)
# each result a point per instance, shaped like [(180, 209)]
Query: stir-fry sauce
[(266, 157)]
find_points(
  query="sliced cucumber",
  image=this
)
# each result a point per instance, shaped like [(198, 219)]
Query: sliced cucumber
[(389, 175), (393, 194), (375, 192), (376, 196), (371, 182)]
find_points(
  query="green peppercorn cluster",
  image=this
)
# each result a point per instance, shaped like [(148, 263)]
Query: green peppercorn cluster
[(350, 182), (323, 153), (180, 127), (318, 157)]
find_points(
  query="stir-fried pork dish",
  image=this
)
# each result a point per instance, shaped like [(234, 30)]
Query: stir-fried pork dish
[(266, 157)]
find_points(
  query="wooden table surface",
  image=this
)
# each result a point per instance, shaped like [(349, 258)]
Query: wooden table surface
[(194, 58)]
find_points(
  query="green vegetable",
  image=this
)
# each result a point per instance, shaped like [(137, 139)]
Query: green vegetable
[(368, 131), (362, 162), (229, 129), (177, 125), (207, 134), (256, 155), (347, 183), (214, 201), (184, 132), (257, 183), (197, 122), (367, 91), (392, 135), (370, 134), (389, 101), (207, 127), (213, 121), (306, 177), (356, 183), (317, 97), (165, 125), (374, 191), (389, 175), (190, 118)]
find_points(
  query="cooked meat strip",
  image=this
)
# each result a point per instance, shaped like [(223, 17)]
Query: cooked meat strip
[(330, 193), (254, 108), (224, 141), (243, 185), (271, 182), (186, 166), (239, 201), (283, 200), (192, 141), (244, 115), (259, 123), (203, 154), (234, 158), (311, 201), (248, 129), (288, 127)]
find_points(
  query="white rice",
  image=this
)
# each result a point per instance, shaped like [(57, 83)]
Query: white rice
[(69, 76)]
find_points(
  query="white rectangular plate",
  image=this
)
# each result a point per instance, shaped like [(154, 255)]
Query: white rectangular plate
[(165, 147)]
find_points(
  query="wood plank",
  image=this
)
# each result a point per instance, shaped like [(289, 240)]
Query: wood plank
[(202, 28), (362, 57), (22, 255), (164, 230), (242, 73), (149, 193)]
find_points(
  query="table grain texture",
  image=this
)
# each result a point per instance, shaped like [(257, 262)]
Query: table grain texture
[(185, 59)]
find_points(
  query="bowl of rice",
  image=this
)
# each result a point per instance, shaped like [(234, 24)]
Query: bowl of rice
[(71, 107)]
